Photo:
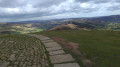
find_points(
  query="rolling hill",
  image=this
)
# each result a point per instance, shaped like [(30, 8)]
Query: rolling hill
[(100, 23)]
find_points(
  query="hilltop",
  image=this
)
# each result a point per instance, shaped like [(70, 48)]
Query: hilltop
[(65, 27)]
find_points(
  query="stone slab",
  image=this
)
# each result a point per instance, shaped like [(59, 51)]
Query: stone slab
[(41, 37), (45, 41), (51, 44), (56, 52), (54, 48), (61, 58), (67, 65), (44, 38)]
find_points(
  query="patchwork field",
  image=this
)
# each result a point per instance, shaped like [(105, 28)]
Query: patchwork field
[(101, 47), (22, 51)]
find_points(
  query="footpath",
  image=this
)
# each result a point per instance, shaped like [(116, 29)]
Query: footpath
[(57, 55)]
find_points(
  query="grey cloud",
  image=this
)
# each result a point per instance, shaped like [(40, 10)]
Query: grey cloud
[(117, 1), (46, 3), (95, 1), (102, 1), (40, 8), (12, 3), (113, 8), (82, 0), (29, 15)]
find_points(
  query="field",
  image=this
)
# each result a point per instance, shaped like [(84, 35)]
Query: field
[(101, 47), (27, 27), (22, 51)]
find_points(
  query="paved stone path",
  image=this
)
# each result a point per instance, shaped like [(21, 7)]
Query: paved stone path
[(57, 55)]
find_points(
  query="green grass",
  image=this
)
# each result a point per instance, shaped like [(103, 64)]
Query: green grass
[(101, 47), (28, 31)]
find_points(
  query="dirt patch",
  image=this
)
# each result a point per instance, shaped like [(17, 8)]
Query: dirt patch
[(74, 48)]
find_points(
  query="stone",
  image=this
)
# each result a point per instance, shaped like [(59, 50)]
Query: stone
[(39, 65), (34, 65), (14, 52), (24, 65), (4, 64), (67, 65), (45, 41), (16, 63), (56, 52), (15, 66), (10, 66), (28, 66), (12, 57), (43, 37), (51, 44), (54, 48), (1, 42), (61, 58)]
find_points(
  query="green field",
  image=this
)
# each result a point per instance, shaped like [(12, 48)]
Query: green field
[(101, 47)]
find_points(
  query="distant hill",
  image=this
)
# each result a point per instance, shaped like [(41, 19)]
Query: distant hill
[(65, 27), (103, 22), (28, 27), (7, 32), (112, 18)]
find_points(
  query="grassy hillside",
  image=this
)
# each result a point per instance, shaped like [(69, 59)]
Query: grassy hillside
[(101, 47), (98, 25)]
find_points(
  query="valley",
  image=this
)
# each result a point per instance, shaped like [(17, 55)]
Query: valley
[(95, 23)]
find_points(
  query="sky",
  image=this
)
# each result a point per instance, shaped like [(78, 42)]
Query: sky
[(24, 10)]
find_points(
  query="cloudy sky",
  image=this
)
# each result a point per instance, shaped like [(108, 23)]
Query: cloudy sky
[(22, 10)]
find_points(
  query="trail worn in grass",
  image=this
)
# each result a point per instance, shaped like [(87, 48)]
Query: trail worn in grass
[(22, 51), (101, 47)]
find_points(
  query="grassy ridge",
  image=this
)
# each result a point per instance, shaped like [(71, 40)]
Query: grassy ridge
[(102, 47)]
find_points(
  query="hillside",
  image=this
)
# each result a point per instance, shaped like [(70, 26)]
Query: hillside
[(27, 27), (99, 23), (101, 47), (112, 18), (65, 27)]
